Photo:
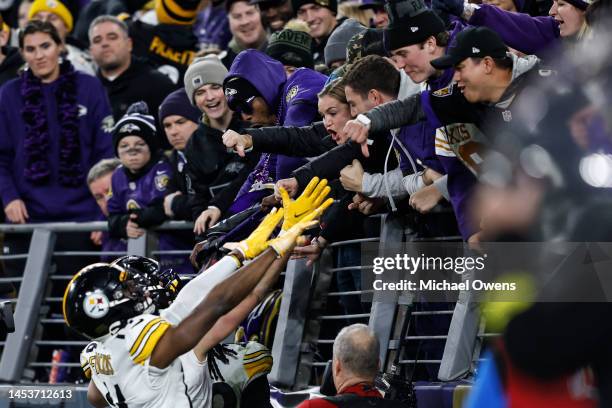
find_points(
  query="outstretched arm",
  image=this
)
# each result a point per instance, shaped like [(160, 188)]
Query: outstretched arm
[(178, 340), (229, 322)]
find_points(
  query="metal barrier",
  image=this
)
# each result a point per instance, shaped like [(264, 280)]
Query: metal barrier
[(33, 300), (302, 315)]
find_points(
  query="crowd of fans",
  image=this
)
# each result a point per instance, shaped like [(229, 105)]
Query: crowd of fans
[(138, 112)]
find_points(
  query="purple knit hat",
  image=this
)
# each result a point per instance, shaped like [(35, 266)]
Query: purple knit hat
[(177, 103)]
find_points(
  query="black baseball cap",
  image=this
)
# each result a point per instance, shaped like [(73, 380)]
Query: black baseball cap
[(473, 42), (371, 5)]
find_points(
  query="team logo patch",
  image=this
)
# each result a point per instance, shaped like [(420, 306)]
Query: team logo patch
[(161, 181), (475, 50), (132, 205), (292, 92), (507, 115), (230, 92), (197, 81), (82, 110), (444, 91), (414, 29), (129, 128), (96, 304), (107, 124)]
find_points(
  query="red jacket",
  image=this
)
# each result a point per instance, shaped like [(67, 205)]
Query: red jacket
[(361, 389)]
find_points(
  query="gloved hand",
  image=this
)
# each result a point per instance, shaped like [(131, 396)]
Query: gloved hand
[(257, 242), (312, 197), (453, 7), (285, 243)]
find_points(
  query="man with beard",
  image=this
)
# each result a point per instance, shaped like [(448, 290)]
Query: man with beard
[(126, 79)]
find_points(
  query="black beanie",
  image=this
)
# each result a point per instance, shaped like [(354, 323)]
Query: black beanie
[(136, 122), (410, 22), (292, 48), (330, 4)]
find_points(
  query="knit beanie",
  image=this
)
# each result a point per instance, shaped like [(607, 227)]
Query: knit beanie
[(335, 49), (367, 42), (330, 4), (136, 122), (202, 71), (410, 22), (176, 12), (55, 7), (292, 48), (177, 103)]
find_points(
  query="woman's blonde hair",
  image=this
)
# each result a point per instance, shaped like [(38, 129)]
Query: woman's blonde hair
[(350, 9), (335, 89)]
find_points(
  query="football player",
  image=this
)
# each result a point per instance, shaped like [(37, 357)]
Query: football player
[(139, 359)]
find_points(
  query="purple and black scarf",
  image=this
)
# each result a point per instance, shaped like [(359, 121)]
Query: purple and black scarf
[(37, 138)]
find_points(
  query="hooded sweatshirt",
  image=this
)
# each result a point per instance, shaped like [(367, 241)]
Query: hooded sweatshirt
[(295, 101)]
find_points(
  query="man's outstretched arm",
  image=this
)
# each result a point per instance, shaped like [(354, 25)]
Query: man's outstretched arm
[(178, 340)]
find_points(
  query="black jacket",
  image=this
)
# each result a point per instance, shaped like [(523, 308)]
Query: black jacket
[(215, 173), (140, 82), (11, 64), (330, 164), (172, 46), (306, 141), (182, 204)]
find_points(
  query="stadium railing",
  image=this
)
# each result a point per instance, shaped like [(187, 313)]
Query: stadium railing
[(301, 318)]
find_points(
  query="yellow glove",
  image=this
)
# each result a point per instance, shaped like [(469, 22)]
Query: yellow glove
[(285, 242), (257, 242), (312, 197)]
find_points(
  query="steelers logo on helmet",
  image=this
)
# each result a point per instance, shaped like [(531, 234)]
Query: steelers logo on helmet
[(96, 304)]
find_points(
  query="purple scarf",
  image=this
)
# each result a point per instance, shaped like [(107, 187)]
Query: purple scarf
[(37, 140)]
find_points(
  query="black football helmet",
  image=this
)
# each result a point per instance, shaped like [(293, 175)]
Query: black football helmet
[(162, 286), (102, 295)]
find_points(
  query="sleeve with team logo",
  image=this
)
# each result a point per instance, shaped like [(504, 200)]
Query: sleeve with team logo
[(157, 185), (142, 334)]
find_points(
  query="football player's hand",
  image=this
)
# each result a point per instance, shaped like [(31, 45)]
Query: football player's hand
[(239, 143), (257, 242), (295, 210), (425, 199), (16, 212), (358, 132), (207, 219), (351, 177), (287, 241), (132, 229), (289, 184)]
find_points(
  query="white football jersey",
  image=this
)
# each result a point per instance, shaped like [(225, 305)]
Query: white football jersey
[(119, 367)]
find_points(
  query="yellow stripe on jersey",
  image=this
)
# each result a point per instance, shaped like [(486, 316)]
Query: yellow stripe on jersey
[(143, 333), (261, 366), (151, 341), (255, 354)]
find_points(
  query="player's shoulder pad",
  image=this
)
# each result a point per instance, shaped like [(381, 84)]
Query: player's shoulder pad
[(142, 334), (86, 354)]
